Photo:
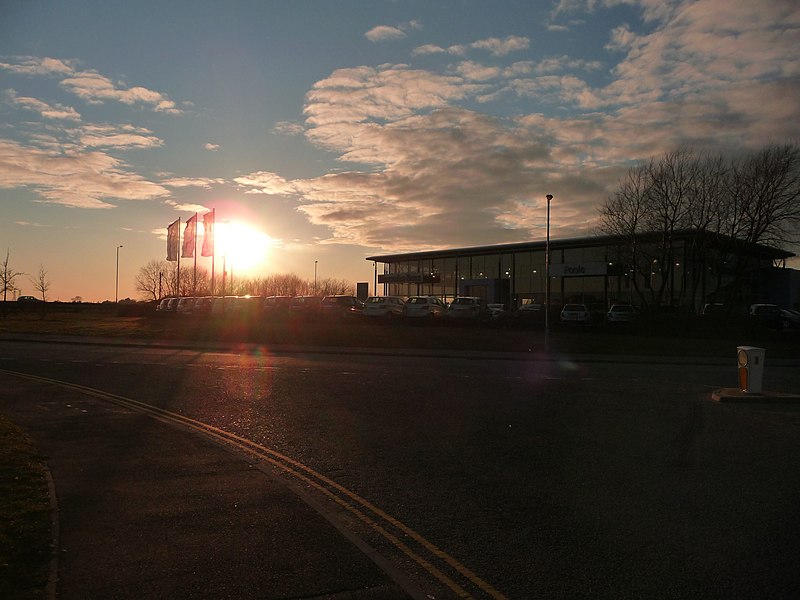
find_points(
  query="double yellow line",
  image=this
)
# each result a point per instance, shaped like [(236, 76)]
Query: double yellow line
[(380, 522)]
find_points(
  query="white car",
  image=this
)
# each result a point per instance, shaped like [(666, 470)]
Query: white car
[(468, 307), (383, 306), (621, 313), (424, 307), (575, 313)]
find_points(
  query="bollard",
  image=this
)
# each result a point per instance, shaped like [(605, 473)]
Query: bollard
[(751, 368)]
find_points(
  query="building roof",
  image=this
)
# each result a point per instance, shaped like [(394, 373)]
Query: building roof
[(596, 240)]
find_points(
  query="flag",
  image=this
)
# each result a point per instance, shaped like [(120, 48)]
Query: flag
[(189, 237), (173, 240), (208, 234)]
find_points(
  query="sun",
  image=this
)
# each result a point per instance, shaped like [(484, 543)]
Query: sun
[(243, 247)]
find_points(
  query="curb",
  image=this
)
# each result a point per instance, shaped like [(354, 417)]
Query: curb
[(737, 395)]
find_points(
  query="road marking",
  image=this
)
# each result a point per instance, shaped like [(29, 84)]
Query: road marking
[(350, 501)]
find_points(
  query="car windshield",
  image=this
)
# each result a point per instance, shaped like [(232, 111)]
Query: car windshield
[(574, 307), (622, 308), (464, 301), (417, 301)]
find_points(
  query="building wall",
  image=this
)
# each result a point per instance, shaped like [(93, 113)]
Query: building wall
[(682, 277)]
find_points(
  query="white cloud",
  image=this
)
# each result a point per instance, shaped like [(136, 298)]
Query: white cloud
[(288, 128), (118, 136), (76, 178), (31, 65), (200, 182), (211, 147), (190, 208), (96, 88), (47, 111), (383, 33), (498, 47), (708, 73), (264, 182)]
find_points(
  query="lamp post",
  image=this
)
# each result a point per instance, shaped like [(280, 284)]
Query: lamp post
[(315, 277), (116, 284), (547, 282)]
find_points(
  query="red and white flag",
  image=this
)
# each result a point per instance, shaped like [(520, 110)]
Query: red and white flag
[(189, 236), (208, 234), (173, 240)]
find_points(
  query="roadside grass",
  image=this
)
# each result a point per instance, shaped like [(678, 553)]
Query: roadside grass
[(25, 532)]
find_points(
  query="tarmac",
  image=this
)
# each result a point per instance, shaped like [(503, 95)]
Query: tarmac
[(143, 509)]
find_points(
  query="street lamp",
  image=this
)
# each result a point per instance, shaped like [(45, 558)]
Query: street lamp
[(116, 285), (547, 283), (315, 277)]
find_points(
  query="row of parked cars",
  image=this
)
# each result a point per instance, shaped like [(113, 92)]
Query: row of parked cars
[(464, 308)]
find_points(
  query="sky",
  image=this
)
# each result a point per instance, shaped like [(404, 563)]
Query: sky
[(328, 131)]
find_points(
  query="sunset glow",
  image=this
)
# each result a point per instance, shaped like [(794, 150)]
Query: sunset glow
[(244, 248), (347, 132)]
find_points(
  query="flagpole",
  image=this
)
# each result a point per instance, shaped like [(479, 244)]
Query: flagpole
[(180, 251), (194, 277), (213, 249)]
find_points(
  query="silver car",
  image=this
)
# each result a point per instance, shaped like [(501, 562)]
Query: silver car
[(424, 307)]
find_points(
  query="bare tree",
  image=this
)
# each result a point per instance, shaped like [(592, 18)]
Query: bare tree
[(8, 276), (752, 200), (41, 283)]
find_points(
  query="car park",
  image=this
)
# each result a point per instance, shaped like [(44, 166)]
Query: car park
[(185, 306), (305, 305), (202, 305), (576, 314), (470, 308), (273, 305), (341, 306), (424, 307), (621, 313), (384, 306), (768, 315), (790, 318)]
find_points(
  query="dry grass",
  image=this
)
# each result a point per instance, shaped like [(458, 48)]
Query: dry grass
[(25, 536)]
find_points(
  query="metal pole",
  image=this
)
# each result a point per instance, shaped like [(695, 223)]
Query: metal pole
[(547, 282), (116, 285), (315, 277)]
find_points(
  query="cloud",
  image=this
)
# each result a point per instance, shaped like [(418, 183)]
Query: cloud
[(264, 182), (96, 89), (498, 47), (288, 128), (81, 179), (31, 65), (118, 136), (383, 33), (46, 111), (425, 171), (495, 46), (211, 147), (30, 224), (191, 208), (200, 182)]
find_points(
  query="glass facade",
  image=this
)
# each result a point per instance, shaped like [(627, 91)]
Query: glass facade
[(588, 272)]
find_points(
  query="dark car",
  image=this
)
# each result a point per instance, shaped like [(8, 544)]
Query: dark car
[(768, 315), (341, 306)]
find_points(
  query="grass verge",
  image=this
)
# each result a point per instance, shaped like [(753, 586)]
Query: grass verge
[(25, 536)]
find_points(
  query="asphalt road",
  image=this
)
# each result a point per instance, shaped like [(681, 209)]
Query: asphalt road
[(552, 479)]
